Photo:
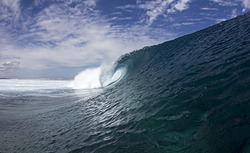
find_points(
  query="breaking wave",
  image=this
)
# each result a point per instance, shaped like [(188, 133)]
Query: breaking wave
[(88, 78), (188, 95), (97, 78)]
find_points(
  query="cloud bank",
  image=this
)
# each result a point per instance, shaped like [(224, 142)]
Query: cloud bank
[(68, 34)]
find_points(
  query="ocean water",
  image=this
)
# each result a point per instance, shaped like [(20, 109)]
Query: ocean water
[(188, 95)]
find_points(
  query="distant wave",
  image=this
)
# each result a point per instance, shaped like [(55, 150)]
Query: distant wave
[(24, 85)]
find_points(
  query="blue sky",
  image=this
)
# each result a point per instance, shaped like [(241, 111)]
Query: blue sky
[(59, 38)]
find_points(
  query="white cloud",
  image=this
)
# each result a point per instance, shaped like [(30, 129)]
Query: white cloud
[(193, 19), (183, 24), (90, 3), (61, 37), (224, 2), (246, 4), (234, 13), (152, 8), (9, 9), (220, 20), (159, 7), (155, 8), (128, 6), (7, 66), (182, 5), (79, 36), (210, 9)]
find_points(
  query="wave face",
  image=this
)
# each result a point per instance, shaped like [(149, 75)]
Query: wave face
[(191, 94)]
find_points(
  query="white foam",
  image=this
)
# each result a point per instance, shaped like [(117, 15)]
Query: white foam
[(89, 78), (96, 78), (31, 85)]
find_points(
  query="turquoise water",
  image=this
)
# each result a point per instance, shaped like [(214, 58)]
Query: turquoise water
[(191, 94)]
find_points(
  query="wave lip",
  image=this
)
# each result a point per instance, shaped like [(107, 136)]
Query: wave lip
[(97, 78)]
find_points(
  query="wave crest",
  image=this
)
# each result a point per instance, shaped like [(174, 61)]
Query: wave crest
[(97, 77)]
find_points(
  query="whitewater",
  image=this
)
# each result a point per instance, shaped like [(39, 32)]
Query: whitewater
[(187, 95)]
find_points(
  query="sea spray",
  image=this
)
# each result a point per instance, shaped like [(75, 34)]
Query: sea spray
[(98, 77), (89, 78)]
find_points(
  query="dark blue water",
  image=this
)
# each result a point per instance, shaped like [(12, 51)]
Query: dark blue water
[(191, 94)]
